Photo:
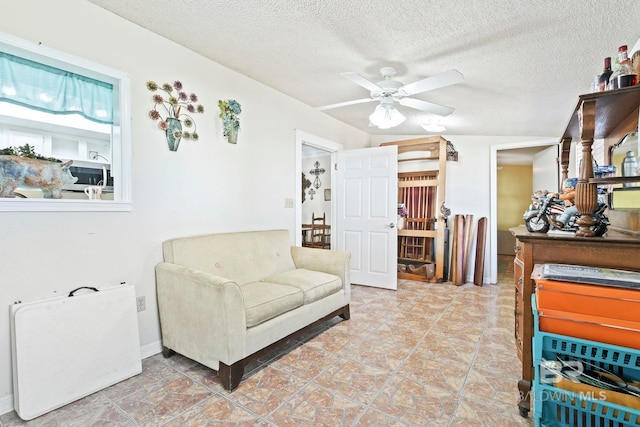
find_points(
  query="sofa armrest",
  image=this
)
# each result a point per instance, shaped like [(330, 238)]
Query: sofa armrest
[(332, 262), (201, 315)]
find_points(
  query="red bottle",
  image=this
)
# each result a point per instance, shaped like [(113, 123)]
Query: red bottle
[(603, 80), (624, 76)]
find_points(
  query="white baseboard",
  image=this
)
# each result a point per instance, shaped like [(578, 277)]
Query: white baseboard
[(6, 403), (151, 349)]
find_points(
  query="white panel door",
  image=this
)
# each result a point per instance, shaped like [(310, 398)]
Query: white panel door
[(366, 206)]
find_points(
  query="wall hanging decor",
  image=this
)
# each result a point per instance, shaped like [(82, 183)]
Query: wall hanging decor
[(229, 111), (317, 171), (174, 112), (305, 184)]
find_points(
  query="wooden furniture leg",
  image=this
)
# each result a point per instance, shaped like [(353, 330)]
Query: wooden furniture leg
[(231, 375), (524, 405), (346, 313), (167, 352)]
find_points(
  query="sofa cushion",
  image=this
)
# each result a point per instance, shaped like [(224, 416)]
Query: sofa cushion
[(242, 257), (264, 300), (315, 284)]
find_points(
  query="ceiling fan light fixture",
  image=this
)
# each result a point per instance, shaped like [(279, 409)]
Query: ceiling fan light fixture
[(385, 117)]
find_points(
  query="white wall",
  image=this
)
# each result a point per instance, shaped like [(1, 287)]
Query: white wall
[(546, 175), (206, 186)]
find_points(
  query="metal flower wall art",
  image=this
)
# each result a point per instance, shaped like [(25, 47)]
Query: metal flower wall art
[(173, 109), (229, 111)]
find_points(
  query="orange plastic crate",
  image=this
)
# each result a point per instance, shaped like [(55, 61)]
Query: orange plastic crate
[(595, 300), (595, 328)]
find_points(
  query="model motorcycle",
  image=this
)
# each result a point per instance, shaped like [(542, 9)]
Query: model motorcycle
[(536, 218)]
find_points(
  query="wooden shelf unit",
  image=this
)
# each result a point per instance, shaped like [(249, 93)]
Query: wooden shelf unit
[(603, 115), (423, 239)]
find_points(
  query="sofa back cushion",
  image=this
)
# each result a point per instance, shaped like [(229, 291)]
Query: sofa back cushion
[(243, 257)]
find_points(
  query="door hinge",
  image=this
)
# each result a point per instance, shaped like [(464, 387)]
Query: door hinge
[(335, 166)]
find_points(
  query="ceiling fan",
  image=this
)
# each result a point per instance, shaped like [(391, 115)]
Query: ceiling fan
[(387, 91)]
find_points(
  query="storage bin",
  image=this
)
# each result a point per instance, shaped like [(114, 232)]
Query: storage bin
[(560, 408), (602, 329), (608, 313), (584, 406), (595, 300)]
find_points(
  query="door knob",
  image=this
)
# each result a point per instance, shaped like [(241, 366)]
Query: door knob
[(391, 225)]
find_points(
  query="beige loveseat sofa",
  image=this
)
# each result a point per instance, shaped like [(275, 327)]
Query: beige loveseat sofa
[(225, 299)]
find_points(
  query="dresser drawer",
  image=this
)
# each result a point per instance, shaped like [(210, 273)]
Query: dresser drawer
[(518, 278), (519, 322), (518, 249), (518, 274)]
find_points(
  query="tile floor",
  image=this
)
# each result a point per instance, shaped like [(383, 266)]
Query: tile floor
[(428, 354)]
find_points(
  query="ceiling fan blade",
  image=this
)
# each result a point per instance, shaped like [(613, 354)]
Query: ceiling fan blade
[(429, 107), (447, 78), (361, 81), (343, 104)]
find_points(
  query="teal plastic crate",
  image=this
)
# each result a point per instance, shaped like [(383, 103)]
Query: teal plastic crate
[(553, 406)]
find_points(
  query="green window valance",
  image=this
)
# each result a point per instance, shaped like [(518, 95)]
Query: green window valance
[(45, 88)]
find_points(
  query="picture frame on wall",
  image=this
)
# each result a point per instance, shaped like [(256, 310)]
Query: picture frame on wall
[(327, 195)]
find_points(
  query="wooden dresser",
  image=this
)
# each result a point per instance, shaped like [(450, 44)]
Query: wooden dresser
[(615, 250), (606, 116)]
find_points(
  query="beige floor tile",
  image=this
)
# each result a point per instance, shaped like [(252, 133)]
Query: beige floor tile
[(266, 389), (163, 401), (450, 348), (216, 411), (435, 372), (472, 413), (380, 354), (315, 406), (305, 362), (374, 418), (354, 380), (415, 403)]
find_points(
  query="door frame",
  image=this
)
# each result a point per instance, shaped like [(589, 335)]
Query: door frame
[(324, 144), (493, 221)]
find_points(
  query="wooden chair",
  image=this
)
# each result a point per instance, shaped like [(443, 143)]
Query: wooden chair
[(320, 238)]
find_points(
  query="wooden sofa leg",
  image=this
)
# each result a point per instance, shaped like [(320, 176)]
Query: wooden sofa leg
[(167, 352), (346, 313), (231, 375)]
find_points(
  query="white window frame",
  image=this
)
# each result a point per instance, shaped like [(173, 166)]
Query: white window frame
[(121, 136)]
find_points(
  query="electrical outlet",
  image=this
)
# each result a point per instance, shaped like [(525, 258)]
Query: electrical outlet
[(288, 203), (141, 304)]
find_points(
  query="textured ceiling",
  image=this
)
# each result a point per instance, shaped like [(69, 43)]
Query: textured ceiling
[(524, 62)]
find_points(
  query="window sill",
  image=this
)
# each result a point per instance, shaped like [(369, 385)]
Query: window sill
[(54, 205)]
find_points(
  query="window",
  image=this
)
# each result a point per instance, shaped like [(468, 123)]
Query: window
[(71, 109)]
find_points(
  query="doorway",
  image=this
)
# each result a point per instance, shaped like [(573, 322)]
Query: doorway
[(316, 190), (542, 155), (311, 197)]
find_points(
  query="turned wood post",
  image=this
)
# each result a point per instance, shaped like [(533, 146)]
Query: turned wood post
[(586, 193), (565, 152)]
